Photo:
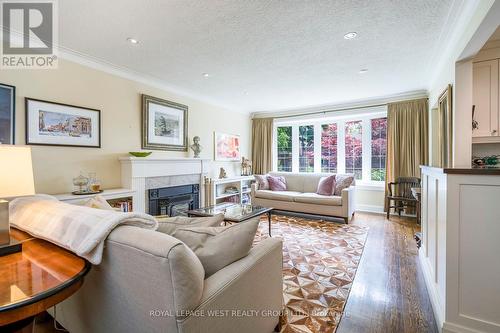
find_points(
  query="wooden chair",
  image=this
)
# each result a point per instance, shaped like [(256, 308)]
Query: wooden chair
[(399, 193)]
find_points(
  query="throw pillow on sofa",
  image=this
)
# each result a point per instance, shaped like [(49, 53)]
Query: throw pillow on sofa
[(168, 225), (262, 182), (277, 183), (343, 181), (217, 247), (326, 185)]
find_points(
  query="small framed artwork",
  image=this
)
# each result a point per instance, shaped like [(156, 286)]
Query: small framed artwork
[(164, 124), (7, 114), (226, 147), (57, 124)]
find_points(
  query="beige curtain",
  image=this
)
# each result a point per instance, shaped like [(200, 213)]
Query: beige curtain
[(407, 139), (262, 145)]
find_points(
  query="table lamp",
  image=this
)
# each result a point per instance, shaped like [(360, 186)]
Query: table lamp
[(16, 179)]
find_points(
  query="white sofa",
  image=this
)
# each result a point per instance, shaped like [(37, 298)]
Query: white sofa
[(301, 196), (149, 281)]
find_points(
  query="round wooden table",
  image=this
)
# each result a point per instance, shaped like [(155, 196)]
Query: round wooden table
[(36, 279)]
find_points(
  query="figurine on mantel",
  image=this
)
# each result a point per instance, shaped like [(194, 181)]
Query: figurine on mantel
[(246, 167), (222, 173), (196, 147)]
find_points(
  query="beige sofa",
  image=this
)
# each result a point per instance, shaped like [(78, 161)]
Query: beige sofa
[(151, 282), (301, 197)]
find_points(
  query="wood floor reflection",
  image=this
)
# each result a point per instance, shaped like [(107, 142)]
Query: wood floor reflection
[(388, 294)]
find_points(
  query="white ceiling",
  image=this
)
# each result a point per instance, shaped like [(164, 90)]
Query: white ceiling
[(263, 54)]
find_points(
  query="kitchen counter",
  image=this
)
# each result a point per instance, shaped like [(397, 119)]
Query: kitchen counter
[(465, 171)]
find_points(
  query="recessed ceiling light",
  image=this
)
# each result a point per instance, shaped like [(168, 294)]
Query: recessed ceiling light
[(350, 35), (132, 40), (206, 75), (363, 71)]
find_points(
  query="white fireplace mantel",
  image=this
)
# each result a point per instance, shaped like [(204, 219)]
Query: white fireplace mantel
[(136, 170)]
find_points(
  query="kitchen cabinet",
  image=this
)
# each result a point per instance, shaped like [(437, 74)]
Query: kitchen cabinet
[(486, 100)]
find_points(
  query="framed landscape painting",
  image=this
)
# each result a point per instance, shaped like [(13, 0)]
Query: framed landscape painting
[(57, 124), (7, 113), (164, 124), (227, 147)]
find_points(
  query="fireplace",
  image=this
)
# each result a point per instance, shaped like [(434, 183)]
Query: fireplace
[(174, 200)]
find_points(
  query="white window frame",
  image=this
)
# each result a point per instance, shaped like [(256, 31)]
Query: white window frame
[(365, 115)]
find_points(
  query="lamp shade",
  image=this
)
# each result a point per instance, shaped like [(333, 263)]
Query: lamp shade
[(16, 171)]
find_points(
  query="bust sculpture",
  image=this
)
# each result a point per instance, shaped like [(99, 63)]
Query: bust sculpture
[(196, 147)]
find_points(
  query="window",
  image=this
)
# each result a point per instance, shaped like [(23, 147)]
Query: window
[(329, 148), (347, 143), (379, 148), (354, 148), (285, 148), (306, 148)]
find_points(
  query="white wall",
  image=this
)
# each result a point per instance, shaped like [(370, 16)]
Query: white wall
[(458, 49), (119, 100)]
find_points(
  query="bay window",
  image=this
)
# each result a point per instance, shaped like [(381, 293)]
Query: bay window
[(344, 144)]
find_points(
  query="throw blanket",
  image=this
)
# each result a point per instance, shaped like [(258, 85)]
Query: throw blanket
[(81, 230)]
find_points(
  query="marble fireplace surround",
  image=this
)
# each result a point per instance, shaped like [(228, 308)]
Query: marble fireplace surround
[(143, 174)]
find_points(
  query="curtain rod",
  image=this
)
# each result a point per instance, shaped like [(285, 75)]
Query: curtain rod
[(342, 109)]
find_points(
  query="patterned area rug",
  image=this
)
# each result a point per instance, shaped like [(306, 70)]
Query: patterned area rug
[(319, 263)]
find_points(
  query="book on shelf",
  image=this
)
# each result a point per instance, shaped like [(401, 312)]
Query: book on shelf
[(124, 206)]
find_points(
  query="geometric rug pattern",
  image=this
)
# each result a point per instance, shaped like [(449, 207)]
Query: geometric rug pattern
[(320, 260)]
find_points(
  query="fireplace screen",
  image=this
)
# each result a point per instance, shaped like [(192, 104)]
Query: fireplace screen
[(173, 201)]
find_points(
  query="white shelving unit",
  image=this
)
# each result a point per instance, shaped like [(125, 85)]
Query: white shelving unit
[(234, 189), (114, 196)]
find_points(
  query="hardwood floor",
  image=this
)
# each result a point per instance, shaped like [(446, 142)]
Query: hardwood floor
[(388, 294)]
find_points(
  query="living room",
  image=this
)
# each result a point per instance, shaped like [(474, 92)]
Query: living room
[(296, 166)]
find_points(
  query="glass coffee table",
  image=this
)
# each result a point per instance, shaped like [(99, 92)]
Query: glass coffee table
[(233, 212)]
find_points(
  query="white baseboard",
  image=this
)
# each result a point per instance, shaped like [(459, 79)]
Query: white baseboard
[(454, 328), (370, 209)]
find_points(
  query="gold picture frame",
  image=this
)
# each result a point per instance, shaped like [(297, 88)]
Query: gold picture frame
[(164, 124), (445, 127)]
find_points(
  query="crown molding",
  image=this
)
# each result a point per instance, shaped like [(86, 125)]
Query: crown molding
[(361, 103), (459, 18), (130, 74), (107, 67)]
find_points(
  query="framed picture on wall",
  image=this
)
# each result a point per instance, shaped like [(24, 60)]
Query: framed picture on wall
[(7, 114), (57, 124), (226, 147), (164, 124)]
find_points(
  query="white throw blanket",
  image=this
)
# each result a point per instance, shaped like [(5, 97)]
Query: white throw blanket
[(79, 229)]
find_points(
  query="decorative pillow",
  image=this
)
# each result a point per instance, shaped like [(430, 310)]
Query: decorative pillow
[(168, 225), (342, 182), (217, 247), (262, 182), (326, 185), (98, 202), (277, 183)]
